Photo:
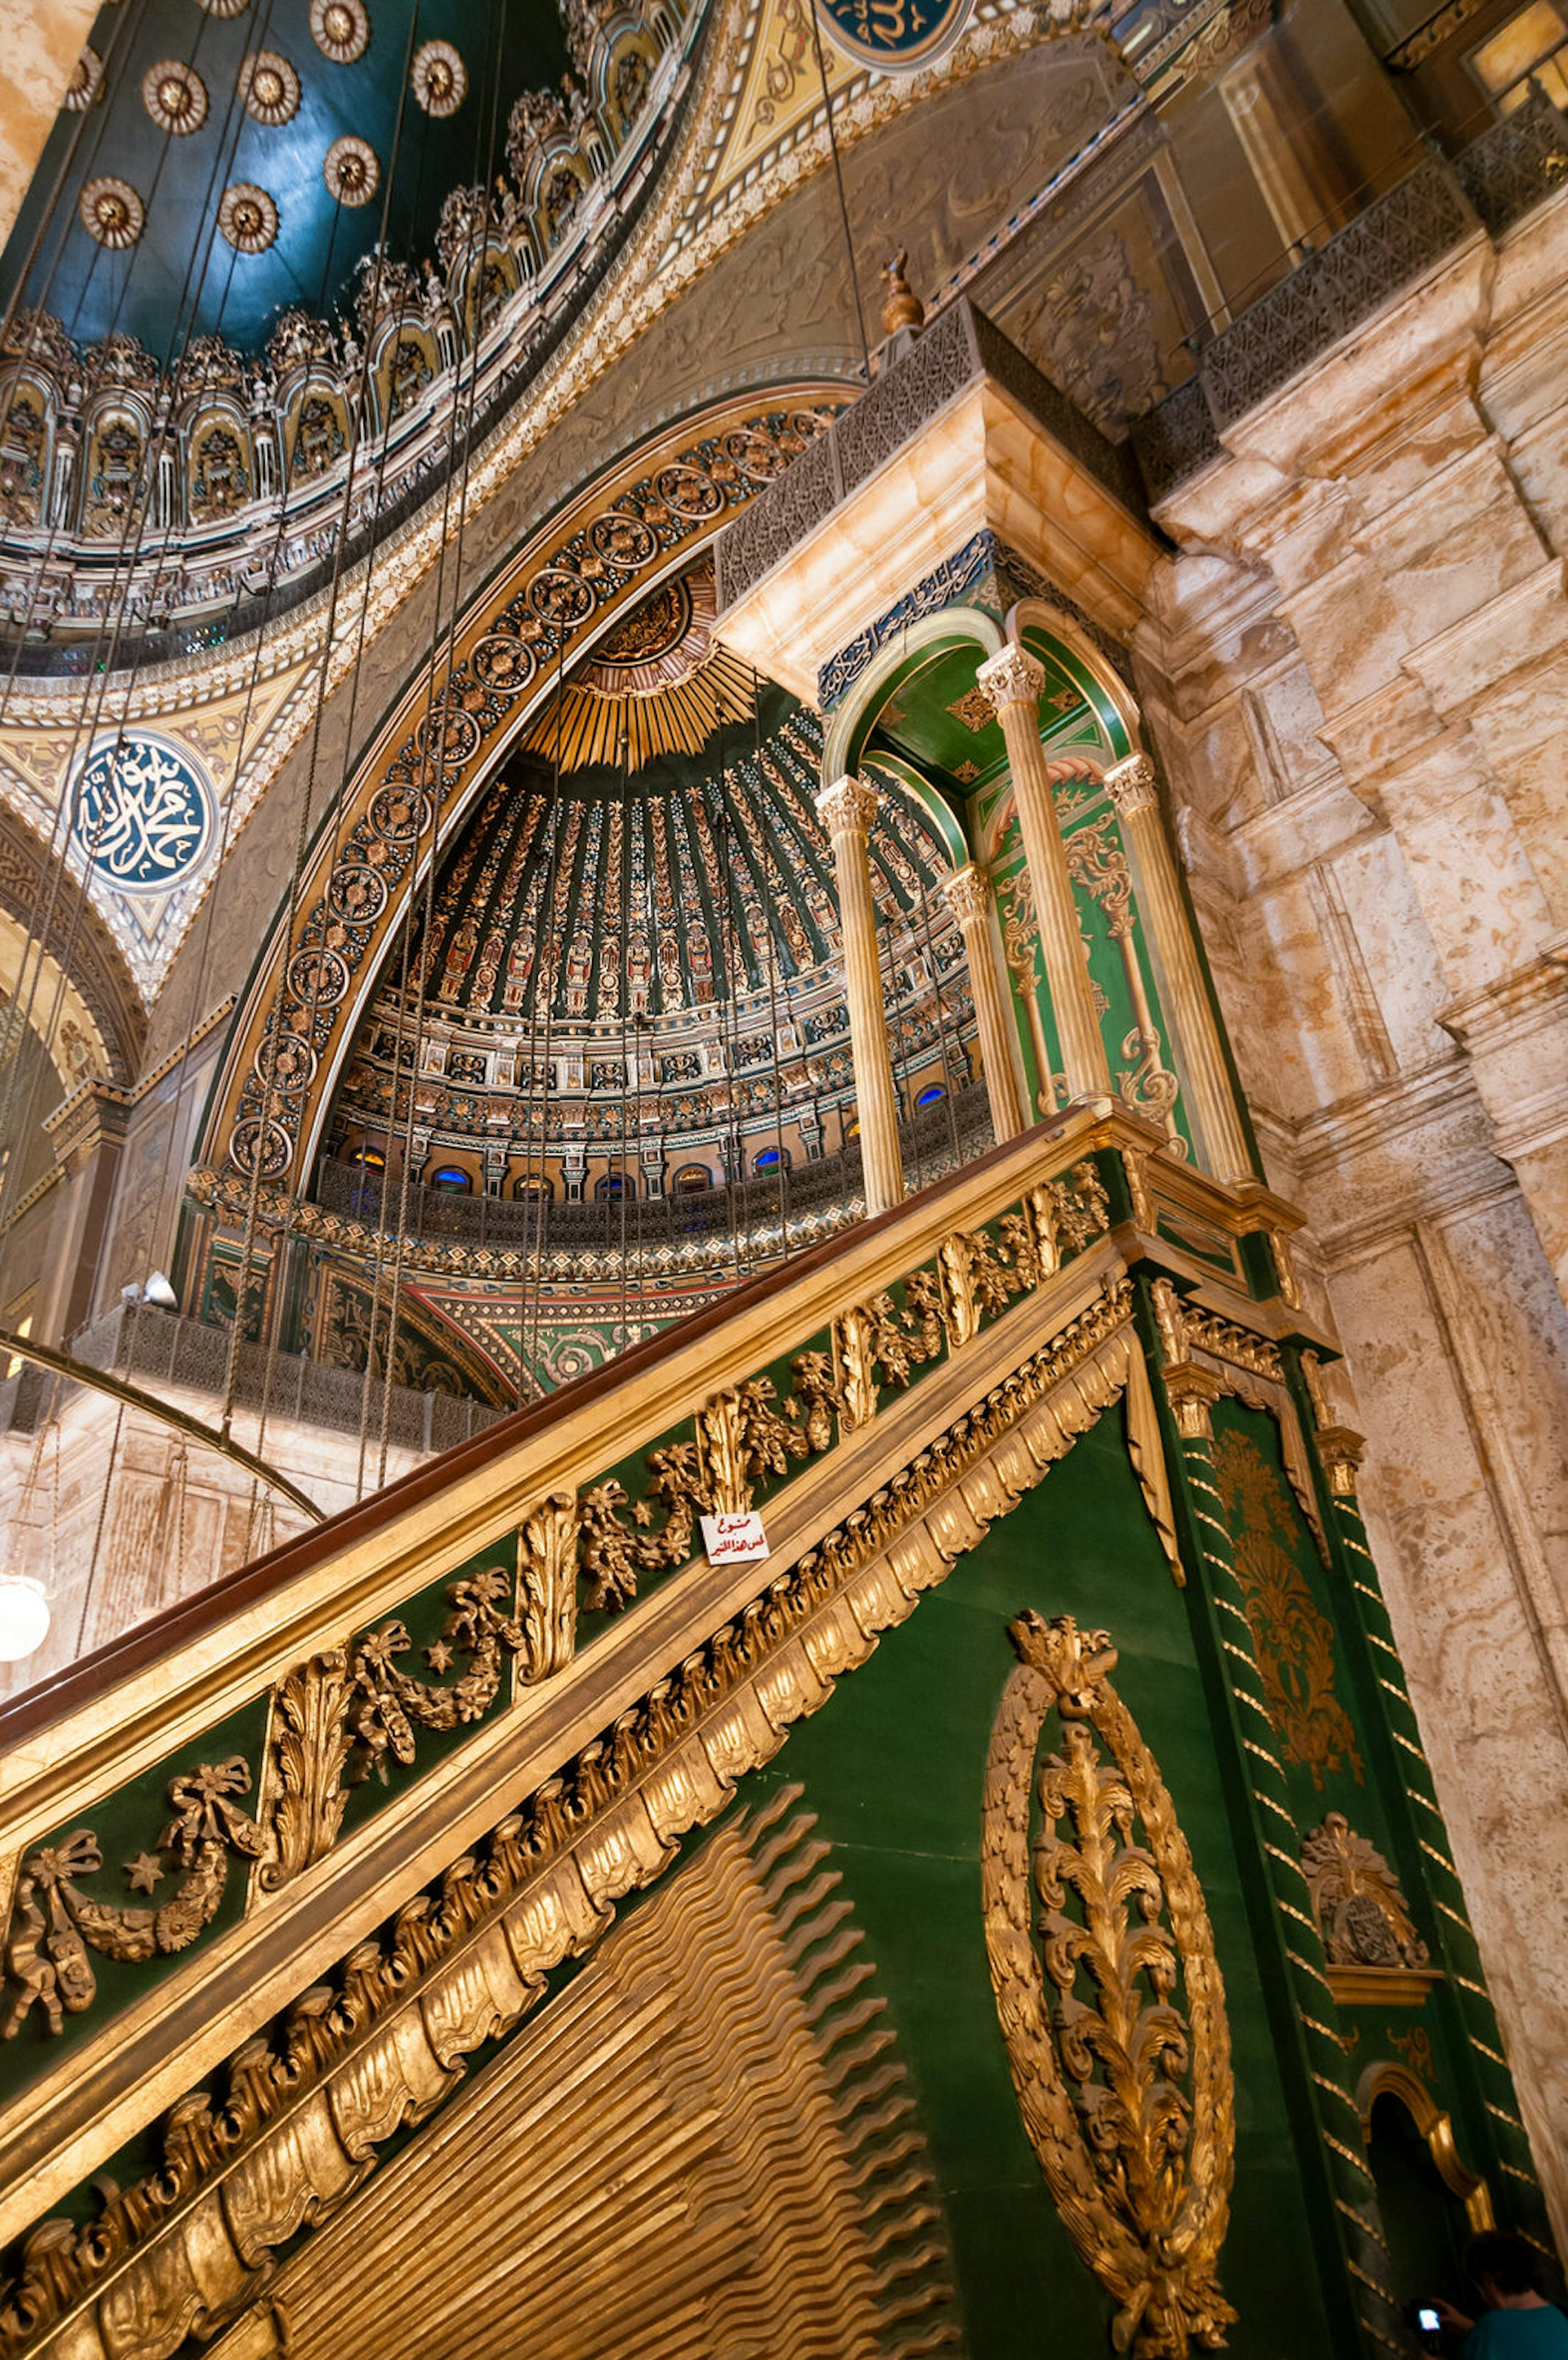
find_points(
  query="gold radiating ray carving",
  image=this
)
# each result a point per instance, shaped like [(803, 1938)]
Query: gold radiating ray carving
[(1115, 2018), (703, 2147), (677, 719)]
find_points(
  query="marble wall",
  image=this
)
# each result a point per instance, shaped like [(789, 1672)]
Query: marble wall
[(41, 41), (1356, 666)]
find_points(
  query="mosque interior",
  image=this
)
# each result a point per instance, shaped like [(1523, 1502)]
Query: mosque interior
[(783, 1174)]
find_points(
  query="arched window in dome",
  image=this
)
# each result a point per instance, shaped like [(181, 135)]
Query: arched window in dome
[(452, 1178), (531, 1185), (371, 1157), (930, 1096), (691, 1180), (768, 1159), (613, 1186)]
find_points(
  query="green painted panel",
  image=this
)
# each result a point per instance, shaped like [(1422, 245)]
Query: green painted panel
[(140, 1873), (434, 1658), (893, 1767), (1291, 1607)]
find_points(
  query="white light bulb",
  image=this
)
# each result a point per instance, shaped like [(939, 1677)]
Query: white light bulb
[(23, 1618)]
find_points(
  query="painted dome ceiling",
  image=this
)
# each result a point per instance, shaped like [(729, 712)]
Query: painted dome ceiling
[(705, 878), (316, 107)]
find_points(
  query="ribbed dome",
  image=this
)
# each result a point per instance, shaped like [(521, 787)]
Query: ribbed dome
[(596, 902)]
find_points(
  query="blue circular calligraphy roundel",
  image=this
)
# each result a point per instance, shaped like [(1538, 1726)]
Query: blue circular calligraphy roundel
[(144, 812), (894, 36)]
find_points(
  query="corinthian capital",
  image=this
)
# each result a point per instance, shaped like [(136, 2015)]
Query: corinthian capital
[(1131, 785), (968, 895), (1012, 676), (847, 807)]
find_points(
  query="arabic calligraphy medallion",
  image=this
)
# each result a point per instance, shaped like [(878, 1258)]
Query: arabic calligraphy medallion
[(144, 812), (894, 36)]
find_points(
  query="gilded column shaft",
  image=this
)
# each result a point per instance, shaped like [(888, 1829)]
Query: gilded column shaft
[(846, 810), (968, 892), (1013, 681), (1191, 1016)]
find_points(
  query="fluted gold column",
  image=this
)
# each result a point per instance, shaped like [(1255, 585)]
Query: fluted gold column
[(968, 892), (1013, 680), (1190, 1016), (847, 809)]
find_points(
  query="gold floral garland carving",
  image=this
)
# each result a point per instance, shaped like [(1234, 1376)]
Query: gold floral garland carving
[(1128, 2103)]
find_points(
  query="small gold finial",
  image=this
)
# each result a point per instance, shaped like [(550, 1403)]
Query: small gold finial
[(901, 307)]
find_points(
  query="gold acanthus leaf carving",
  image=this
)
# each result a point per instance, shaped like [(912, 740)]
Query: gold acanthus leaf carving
[(307, 1755), (1128, 2103), (56, 1926), (547, 1586)]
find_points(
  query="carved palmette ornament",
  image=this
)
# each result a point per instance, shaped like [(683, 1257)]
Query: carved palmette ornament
[(1111, 2000), (1356, 1900)]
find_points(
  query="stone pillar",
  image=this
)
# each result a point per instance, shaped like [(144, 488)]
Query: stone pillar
[(968, 891), (1191, 1015), (847, 809), (1288, 156), (89, 1136), (1013, 680)]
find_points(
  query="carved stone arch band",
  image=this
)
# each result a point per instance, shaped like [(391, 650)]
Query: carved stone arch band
[(1114, 2017)]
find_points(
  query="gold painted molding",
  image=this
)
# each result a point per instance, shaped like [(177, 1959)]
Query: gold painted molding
[(1387, 2080), (725, 2042)]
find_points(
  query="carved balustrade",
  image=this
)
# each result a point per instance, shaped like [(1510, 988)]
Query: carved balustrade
[(518, 1673)]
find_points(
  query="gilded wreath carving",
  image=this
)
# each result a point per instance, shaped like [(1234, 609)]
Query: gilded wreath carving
[(1127, 2099)]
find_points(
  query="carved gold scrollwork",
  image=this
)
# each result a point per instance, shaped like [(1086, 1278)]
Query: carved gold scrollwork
[(390, 1705), (1071, 1212), (880, 1345), (337, 1719), (1128, 2103)]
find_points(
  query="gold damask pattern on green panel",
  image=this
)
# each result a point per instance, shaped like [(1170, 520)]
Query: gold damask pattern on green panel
[(1292, 1637)]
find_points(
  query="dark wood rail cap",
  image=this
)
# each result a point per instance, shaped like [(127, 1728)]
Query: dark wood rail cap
[(75, 1687)]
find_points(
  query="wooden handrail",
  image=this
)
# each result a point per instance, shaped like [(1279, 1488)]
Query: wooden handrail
[(868, 1251)]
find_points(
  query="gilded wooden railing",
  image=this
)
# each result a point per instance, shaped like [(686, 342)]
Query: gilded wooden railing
[(274, 1863)]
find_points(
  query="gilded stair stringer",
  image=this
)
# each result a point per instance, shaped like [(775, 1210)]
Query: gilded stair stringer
[(724, 2062), (939, 1362), (304, 2112)]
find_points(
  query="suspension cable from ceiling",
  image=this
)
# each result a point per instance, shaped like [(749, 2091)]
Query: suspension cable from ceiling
[(339, 803), (139, 514), (268, 1061), (442, 662), (843, 201)]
